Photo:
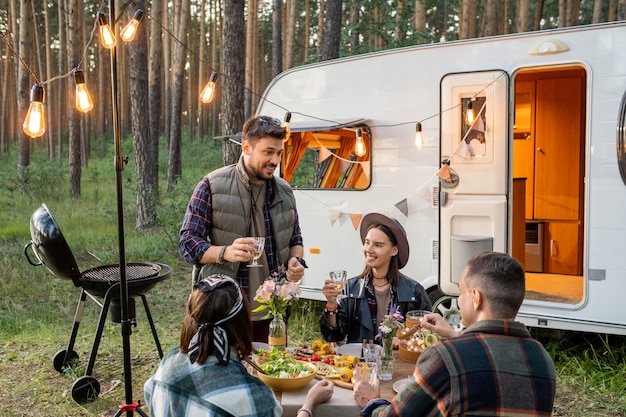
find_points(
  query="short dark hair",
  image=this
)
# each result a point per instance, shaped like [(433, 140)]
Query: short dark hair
[(210, 307), (501, 279), (258, 127)]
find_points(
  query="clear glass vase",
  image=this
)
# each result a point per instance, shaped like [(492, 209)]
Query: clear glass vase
[(277, 337), (385, 363)]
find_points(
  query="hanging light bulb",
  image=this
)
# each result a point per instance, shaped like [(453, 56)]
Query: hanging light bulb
[(286, 126), (359, 149), (35, 122), (129, 31), (106, 34), (207, 92), (419, 138), (83, 99), (469, 115)]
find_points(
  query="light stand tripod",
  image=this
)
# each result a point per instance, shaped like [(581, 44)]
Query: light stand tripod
[(129, 406)]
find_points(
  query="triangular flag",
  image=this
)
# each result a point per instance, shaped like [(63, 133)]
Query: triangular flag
[(324, 154), (444, 173), (356, 219), (344, 165), (403, 206), (334, 215), (424, 192), (366, 165), (479, 125)]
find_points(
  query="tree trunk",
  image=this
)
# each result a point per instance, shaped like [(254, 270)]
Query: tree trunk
[(155, 81), (538, 13), (355, 33), (73, 120), (233, 50), (420, 18), (251, 48), (48, 51), (621, 10), (277, 38), (332, 30), (25, 50), (491, 18), (291, 33), (320, 25), (174, 168), (145, 161), (62, 87), (522, 16)]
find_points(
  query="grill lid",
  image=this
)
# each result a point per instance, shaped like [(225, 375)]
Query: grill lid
[(50, 245)]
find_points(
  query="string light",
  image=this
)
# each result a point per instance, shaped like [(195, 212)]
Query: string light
[(286, 122), (106, 34), (129, 31), (35, 122), (207, 92), (469, 115), (83, 98), (359, 149), (419, 138)]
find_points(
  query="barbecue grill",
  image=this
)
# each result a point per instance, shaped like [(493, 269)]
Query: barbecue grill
[(101, 284)]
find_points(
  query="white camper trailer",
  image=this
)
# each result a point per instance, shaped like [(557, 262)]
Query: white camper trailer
[(539, 172)]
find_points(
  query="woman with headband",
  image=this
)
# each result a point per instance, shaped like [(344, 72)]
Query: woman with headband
[(204, 374)]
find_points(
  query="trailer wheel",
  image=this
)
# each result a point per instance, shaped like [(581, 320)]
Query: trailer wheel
[(446, 306)]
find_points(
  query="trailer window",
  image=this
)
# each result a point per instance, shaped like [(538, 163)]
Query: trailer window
[(326, 159), (473, 143)]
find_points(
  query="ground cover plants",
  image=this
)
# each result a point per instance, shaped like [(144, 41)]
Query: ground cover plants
[(37, 310)]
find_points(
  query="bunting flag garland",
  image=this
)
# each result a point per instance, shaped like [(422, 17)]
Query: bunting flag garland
[(444, 173), (324, 154), (403, 206), (356, 219), (334, 215)]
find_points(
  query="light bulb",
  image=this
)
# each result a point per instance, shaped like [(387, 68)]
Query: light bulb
[(106, 34), (419, 138), (469, 115), (129, 31), (359, 149), (35, 122), (207, 92), (286, 126), (83, 99)]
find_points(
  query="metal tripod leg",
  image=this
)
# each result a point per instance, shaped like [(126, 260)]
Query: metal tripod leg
[(154, 332), (103, 317)]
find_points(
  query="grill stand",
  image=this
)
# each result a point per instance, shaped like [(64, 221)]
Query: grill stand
[(65, 357)]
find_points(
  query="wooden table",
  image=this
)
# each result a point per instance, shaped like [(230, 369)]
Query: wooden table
[(342, 403)]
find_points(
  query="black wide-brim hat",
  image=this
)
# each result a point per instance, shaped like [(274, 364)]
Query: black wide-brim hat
[(395, 227)]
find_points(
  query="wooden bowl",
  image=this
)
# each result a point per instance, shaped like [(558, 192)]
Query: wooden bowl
[(288, 384), (408, 355)]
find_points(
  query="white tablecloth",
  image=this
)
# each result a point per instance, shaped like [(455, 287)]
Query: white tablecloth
[(341, 404)]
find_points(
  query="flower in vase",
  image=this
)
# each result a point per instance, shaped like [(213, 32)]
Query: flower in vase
[(388, 328), (276, 293)]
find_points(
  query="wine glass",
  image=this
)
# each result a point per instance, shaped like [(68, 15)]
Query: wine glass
[(339, 279), (259, 245)]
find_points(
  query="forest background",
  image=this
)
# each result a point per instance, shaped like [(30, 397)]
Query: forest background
[(165, 128)]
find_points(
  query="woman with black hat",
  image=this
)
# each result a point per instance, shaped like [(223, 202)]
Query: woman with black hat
[(379, 287)]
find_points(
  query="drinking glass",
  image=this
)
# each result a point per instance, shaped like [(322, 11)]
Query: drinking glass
[(258, 250), (339, 279)]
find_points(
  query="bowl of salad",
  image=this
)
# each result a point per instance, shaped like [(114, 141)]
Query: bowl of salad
[(286, 374)]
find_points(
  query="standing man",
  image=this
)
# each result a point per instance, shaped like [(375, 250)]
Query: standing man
[(234, 203), (493, 368)]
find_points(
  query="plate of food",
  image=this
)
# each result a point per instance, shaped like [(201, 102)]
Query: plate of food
[(401, 384), (286, 374)]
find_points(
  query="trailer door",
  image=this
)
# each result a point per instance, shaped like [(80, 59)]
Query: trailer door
[(473, 203)]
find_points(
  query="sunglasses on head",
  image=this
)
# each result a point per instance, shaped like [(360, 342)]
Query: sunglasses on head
[(269, 121)]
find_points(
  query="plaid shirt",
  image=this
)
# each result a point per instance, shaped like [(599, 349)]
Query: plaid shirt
[(197, 223), (180, 389), (494, 368)]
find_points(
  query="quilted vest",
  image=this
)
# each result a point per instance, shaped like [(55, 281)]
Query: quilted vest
[(231, 204)]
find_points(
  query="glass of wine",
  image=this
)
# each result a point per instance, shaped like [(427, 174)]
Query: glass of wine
[(339, 279), (258, 250)]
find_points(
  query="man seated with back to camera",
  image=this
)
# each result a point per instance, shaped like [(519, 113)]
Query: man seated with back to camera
[(493, 368)]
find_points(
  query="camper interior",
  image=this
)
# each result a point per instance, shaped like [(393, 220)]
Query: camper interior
[(548, 171)]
